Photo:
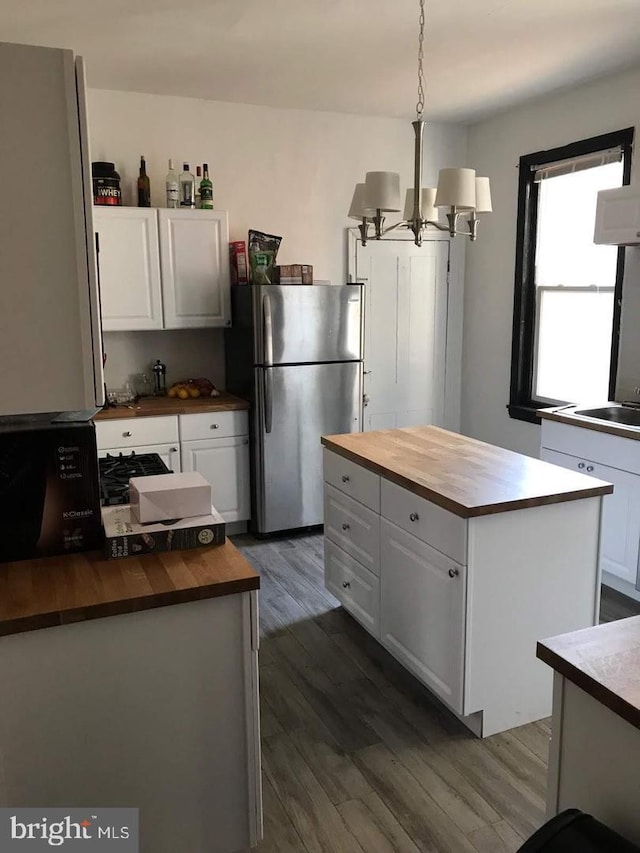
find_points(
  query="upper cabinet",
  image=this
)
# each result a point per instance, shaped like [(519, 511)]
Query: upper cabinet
[(163, 269), (129, 266), (618, 217)]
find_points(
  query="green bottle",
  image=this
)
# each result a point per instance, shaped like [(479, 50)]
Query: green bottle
[(206, 189)]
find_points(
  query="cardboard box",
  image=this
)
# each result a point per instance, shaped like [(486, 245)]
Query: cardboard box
[(294, 274), (125, 537), (238, 261), (166, 497)]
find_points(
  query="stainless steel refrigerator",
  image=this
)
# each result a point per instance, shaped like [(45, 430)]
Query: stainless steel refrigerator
[(295, 351)]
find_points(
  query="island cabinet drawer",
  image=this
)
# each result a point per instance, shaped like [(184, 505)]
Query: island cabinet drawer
[(427, 521), (352, 479), (132, 432), (353, 527), (354, 586), (213, 425)]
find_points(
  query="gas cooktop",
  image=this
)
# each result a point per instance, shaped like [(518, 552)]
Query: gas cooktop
[(115, 472)]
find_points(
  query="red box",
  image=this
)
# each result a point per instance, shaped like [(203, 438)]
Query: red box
[(238, 259)]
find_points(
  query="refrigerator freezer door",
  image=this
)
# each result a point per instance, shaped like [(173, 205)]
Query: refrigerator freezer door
[(301, 403), (303, 324)]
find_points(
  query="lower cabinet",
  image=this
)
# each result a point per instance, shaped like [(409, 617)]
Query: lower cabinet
[(422, 611), (354, 586), (169, 453), (224, 462)]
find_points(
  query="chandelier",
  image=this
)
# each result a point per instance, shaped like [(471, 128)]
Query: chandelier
[(460, 192)]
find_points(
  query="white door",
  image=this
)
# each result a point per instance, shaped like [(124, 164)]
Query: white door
[(224, 462), (620, 513), (422, 611), (194, 259), (129, 267), (169, 453), (405, 336)]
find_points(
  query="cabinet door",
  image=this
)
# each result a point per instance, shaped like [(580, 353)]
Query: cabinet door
[(194, 259), (224, 462), (354, 586), (129, 268), (422, 611), (169, 453), (620, 513)]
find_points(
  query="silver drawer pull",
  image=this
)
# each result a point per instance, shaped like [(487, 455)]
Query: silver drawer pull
[(346, 584), (453, 573), (345, 479), (580, 465), (214, 426), (414, 517), (345, 526), (174, 450), (126, 434), (589, 467)]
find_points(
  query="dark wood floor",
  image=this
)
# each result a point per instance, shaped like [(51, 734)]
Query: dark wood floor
[(357, 756)]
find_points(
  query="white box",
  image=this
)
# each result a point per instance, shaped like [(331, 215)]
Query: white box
[(163, 497)]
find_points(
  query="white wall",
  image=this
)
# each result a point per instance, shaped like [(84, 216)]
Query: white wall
[(287, 172), (494, 148)]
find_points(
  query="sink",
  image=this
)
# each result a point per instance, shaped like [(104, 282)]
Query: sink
[(613, 414)]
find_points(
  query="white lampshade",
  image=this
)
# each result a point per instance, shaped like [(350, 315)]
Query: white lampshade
[(483, 196), (456, 188), (357, 209), (382, 191), (427, 207)]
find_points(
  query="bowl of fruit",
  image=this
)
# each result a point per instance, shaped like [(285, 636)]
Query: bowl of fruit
[(190, 389)]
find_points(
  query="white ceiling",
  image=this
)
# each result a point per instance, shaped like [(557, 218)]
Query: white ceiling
[(356, 56)]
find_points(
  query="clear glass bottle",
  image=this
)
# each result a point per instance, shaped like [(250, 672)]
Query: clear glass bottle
[(187, 188), (206, 189), (172, 187), (144, 185), (198, 179)]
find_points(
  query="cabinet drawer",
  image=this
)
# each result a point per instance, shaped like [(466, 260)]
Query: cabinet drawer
[(352, 479), (427, 521), (353, 527), (213, 425), (130, 432), (353, 585)]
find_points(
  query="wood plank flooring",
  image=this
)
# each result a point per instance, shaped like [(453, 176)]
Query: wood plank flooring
[(357, 756)]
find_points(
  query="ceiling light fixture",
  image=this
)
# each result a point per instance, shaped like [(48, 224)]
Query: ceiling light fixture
[(459, 191)]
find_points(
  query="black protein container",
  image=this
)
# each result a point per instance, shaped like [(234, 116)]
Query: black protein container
[(106, 184)]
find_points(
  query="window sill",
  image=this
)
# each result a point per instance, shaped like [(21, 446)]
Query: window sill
[(525, 413)]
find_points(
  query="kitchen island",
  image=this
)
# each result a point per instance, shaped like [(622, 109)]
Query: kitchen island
[(458, 557), (595, 742), (135, 683)]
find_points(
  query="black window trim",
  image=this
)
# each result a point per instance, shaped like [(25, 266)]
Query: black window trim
[(521, 405)]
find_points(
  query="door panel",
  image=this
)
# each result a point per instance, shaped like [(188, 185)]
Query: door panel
[(304, 402), (224, 462), (406, 295)]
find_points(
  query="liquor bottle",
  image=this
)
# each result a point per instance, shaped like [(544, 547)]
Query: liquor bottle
[(144, 186), (206, 190), (198, 179), (173, 190), (187, 187)]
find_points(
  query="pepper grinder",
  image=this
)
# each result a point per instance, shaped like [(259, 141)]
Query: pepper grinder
[(159, 378)]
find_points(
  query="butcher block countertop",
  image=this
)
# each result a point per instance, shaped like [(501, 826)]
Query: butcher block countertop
[(149, 407), (604, 661), (465, 476), (59, 590)]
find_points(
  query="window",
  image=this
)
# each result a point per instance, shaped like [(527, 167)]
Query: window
[(567, 289)]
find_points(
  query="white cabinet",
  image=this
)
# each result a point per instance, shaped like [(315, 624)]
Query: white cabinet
[(135, 432), (615, 459), (618, 217), (163, 269), (354, 586), (194, 258), (224, 462), (422, 606), (169, 453), (129, 265)]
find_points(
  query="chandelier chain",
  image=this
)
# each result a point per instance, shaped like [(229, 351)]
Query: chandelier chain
[(420, 103)]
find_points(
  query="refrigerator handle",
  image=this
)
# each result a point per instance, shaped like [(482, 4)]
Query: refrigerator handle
[(268, 400), (267, 332)]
